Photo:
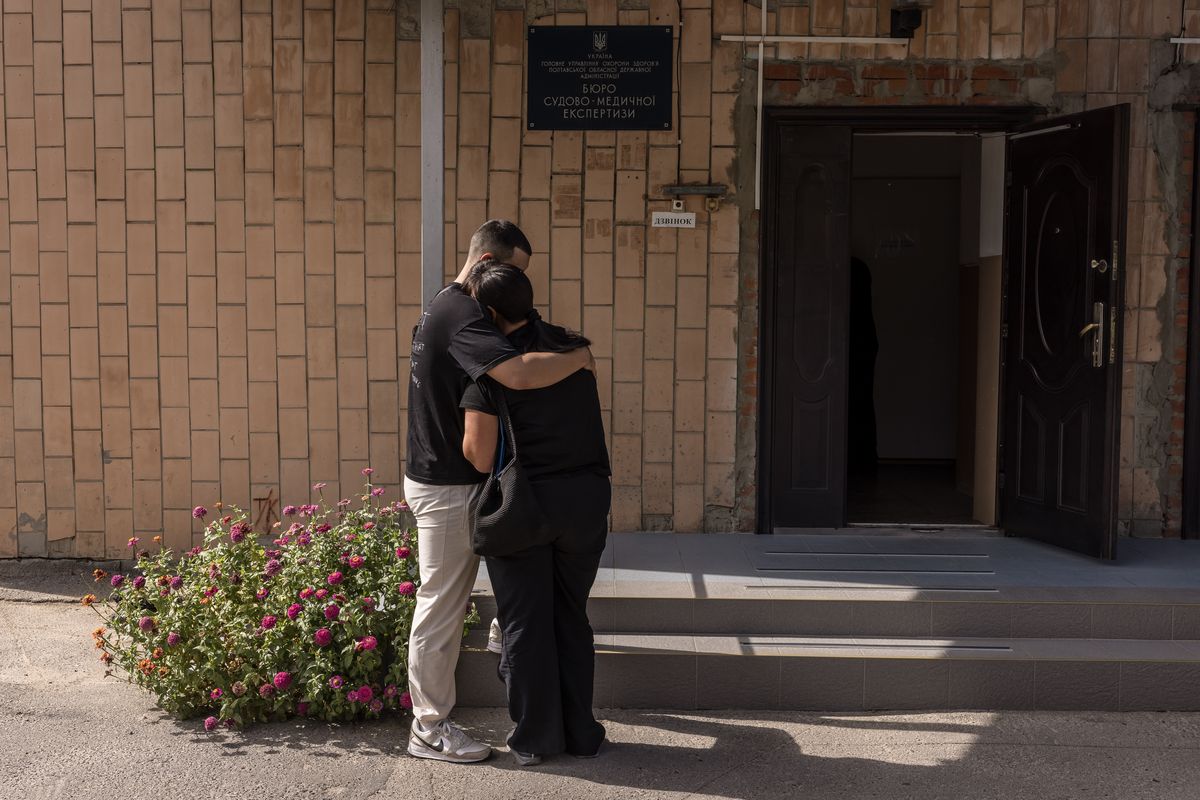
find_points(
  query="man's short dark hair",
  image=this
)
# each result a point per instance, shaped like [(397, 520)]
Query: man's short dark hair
[(499, 237)]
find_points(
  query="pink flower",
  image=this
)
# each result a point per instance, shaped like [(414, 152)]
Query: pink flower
[(389, 691), (306, 592), (308, 510), (289, 511), (402, 506), (365, 694), (318, 486), (377, 491), (368, 604), (117, 580), (407, 588), (334, 578), (337, 682), (368, 471), (133, 541), (377, 705), (146, 624), (210, 724), (322, 527), (332, 611), (268, 622), (199, 512), (139, 581), (343, 503), (215, 694), (356, 561), (321, 594), (237, 532), (294, 610), (282, 680), (368, 643), (352, 696), (368, 526), (210, 591), (176, 582), (266, 691), (173, 639), (273, 567), (406, 700), (403, 552), (323, 637), (262, 593)]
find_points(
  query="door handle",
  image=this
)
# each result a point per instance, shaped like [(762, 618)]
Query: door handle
[(1096, 326), (1100, 264)]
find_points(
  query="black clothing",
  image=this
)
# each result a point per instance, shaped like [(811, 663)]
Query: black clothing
[(559, 429), (453, 344), (548, 660), (861, 455)]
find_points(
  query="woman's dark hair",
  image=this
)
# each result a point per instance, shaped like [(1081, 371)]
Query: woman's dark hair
[(507, 289)]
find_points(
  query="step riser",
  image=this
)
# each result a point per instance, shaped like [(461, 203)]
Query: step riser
[(921, 618), (691, 682)]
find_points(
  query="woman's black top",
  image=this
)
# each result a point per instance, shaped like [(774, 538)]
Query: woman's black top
[(559, 429)]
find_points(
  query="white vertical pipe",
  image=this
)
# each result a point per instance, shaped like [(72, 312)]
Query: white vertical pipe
[(433, 108)]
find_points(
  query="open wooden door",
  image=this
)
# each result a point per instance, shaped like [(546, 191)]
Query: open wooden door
[(805, 321), (1062, 348)]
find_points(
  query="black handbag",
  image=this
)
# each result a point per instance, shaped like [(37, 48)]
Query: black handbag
[(504, 512)]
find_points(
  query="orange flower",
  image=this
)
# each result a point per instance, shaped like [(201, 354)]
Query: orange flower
[(203, 601), (106, 657), (98, 633), (99, 574), (146, 666), (99, 644), (158, 653), (164, 672), (88, 599), (157, 540), (218, 505)]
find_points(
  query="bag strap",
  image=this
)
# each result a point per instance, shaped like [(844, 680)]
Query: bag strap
[(506, 426)]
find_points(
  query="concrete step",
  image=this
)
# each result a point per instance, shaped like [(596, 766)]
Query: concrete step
[(1022, 613), (867, 673)]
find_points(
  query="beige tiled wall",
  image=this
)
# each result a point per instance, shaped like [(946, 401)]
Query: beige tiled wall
[(210, 239)]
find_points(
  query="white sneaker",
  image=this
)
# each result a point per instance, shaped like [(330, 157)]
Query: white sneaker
[(495, 637), (445, 741)]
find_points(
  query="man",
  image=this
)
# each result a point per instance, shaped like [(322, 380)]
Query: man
[(453, 344)]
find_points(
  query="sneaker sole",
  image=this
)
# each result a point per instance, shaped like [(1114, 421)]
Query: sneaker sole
[(419, 749)]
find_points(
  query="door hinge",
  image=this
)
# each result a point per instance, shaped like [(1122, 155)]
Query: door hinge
[(1112, 332), (1115, 257), (1004, 331)]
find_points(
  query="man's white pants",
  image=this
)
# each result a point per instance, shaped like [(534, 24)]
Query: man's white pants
[(448, 569)]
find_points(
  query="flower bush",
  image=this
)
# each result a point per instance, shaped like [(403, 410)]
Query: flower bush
[(314, 624)]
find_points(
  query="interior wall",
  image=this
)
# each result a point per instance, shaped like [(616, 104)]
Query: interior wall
[(905, 229)]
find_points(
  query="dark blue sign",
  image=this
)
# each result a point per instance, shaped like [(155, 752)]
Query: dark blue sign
[(600, 78)]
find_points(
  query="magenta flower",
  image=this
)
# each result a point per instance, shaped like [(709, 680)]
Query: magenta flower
[(163, 592), (176, 582), (237, 531), (323, 637), (302, 708), (322, 527), (173, 639), (214, 572), (117, 580), (266, 691), (321, 594), (368, 471), (403, 552), (262, 593), (377, 705), (139, 581), (407, 588), (337, 682), (365, 694), (343, 503), (199, 512), (282, 680), (368, 643), (389, 691), (146, 624), (368, 604), (289, 511), (215, 694), (352, 696), (332, 611), (319, 486), (133, 542), (268, 622), (210, 724), (406, 700), (210, 591), (377, 491), (294, 610), (306, 592), (402, 506), (334, 578), (308, 510), (273, 567), (357, 561)]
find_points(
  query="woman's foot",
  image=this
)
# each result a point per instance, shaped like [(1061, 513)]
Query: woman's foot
[(495, 637), (592, 754)]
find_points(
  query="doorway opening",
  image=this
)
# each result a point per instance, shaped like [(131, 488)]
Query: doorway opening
[(926, 218)]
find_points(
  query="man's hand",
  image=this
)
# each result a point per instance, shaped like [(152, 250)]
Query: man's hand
[(590, 366)]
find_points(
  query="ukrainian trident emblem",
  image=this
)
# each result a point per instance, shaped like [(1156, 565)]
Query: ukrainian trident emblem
[(599, 41)]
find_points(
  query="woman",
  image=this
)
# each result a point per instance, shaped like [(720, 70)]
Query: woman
[(547, 660)]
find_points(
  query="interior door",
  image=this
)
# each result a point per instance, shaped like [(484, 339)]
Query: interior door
[(1062, 351), (806, 298)]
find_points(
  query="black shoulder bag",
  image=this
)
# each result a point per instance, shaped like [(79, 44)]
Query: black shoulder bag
[(505, 515)]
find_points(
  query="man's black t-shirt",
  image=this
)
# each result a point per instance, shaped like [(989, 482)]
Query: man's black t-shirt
[(559, 429), (453, 344)]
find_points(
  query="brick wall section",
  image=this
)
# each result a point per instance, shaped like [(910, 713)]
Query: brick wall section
[(210, 237)]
